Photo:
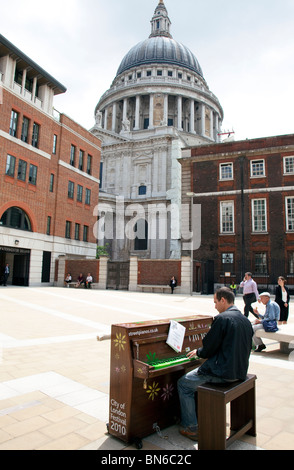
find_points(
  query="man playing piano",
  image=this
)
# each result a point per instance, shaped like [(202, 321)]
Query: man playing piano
[(226, 348)]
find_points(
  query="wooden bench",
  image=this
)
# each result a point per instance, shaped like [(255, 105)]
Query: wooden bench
[(155, 288), (212, 401), (73, 284), (284, 335)]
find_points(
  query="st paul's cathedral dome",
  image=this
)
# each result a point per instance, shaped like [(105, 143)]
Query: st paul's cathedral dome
[(158, 104)]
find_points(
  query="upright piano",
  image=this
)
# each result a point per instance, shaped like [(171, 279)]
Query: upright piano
[(144, 371)]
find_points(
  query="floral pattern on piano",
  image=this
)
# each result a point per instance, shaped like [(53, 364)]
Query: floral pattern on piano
[(153, 390), (121, 369), (120, 341), (167, 392), (142, 370), (151, 357)]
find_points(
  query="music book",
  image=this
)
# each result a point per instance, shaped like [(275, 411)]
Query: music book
[(176, 336)]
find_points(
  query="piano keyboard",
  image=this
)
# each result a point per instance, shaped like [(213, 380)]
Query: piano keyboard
[(172, 361)]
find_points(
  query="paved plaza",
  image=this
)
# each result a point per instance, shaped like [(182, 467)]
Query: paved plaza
[(54, 374)]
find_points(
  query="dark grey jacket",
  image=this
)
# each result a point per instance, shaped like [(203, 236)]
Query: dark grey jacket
[(227, 346)]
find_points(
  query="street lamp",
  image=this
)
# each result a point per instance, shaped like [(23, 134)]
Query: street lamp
[(191, 196)]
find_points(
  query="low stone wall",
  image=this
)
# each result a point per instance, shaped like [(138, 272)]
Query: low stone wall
[(142, 273)]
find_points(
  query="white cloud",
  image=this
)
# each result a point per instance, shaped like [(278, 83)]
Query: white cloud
[(244, 49)]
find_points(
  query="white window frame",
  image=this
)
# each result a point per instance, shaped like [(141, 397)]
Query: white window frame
[(253, 209), (222, 176), (223, 205), (285, 165), (252, 162), (288, 229)]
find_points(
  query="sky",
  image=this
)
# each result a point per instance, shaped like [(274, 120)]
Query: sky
[(245, 50)]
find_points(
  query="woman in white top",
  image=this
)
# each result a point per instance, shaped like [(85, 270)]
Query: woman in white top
[(282, 298)]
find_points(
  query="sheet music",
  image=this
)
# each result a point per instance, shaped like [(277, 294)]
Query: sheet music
[(176, 336)]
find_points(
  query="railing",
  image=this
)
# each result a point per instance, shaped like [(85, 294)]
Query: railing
[(56, 114), (165, 80)]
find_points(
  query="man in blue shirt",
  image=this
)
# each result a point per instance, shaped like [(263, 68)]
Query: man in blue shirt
[(272, 312)]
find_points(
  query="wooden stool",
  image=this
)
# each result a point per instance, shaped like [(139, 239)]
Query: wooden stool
[(212, 400)]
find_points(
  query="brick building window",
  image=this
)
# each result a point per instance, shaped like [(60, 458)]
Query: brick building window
[(22, 170), (89, 164), (67, 229), (33, 174), (288, 165), (81, 160), (88, 197), (10, 165), (226, 171), (48, 231), (290, 214), (54, 144), (259, 222), (260, 260), (15, 217), (85, 233), (227, 217), (51, 184), (77, 231), (25, 129), (72, 155), (291, 262), (71, 190), (13, 123), (80, 193), (35, 136), (257, 168)]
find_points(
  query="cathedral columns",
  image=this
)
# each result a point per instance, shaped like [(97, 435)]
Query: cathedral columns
[(202, 120), (125, 103), (105, 118), (211, 124), (216, 127), (151, 109), (137, 113), (113, 117), (165, 110), (192, 116), (180, 103)]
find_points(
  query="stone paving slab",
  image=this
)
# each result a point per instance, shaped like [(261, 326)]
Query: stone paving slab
[(54, 374)]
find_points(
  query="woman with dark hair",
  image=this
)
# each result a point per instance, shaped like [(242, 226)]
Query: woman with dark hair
[(282, 298)]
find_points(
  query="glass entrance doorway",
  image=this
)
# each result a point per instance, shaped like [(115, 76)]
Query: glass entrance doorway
[(18, 260)]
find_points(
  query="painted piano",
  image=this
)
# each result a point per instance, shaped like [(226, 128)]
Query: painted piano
[(144, 371)]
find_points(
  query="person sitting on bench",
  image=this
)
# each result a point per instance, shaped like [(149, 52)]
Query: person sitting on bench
[(226, 347), (80, 280), (272, 312), (67, 280), (88, 282)]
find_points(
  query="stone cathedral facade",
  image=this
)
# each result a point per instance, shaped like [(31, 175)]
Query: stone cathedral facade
[(158, 103)]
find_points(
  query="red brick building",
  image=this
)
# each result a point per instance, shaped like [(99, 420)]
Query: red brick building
[(49, 171), (246, 192)]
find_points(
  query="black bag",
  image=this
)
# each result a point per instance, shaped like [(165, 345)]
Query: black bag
[(270, 326)]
